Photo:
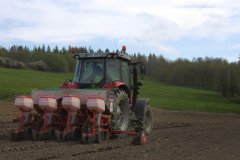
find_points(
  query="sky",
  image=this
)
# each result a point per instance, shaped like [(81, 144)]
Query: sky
[(184, 28)]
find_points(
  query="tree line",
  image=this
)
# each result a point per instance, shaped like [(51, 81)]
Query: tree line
[(39, 58), (207, 73)]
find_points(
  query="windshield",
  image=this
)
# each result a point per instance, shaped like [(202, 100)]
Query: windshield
[(92, 71)]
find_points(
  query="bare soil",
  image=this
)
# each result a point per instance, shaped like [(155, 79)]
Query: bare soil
[(176, 135)]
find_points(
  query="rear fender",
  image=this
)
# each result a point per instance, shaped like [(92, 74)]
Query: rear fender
[(125, 89), (117, 84)]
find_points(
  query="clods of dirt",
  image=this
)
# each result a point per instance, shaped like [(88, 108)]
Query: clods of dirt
[(176, 135)]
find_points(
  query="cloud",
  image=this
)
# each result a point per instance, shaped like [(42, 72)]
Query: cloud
[(149, 22)]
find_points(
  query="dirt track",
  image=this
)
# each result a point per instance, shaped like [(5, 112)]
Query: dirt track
[(176, 135)]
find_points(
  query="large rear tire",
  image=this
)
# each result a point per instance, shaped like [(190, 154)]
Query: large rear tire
[(122, 111), (144, 116), (148, 120)]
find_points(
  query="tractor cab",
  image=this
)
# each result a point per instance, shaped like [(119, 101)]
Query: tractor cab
[(102, 70)]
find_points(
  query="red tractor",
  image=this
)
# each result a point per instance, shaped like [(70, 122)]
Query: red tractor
[(101, 102)]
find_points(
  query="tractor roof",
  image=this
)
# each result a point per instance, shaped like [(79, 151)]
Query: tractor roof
[(122, 56)]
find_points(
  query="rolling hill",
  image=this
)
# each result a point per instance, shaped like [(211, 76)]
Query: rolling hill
[(20, 82)]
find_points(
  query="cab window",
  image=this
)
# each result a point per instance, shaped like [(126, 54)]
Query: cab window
[(92, 71), (125, 73), (113, 70)]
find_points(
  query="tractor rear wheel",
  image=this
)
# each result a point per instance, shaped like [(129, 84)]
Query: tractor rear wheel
[(121, 115), (144, 116), (148, 120)]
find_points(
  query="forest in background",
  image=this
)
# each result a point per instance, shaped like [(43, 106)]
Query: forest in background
[(206, 73)]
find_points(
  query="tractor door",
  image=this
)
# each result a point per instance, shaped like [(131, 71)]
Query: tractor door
[(118, 70), (126, 74), (113, 70)]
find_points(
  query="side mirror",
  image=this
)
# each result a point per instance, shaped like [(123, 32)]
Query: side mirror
[(142, 68)]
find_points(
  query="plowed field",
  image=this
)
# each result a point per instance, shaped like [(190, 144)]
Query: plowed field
[(176, 135)]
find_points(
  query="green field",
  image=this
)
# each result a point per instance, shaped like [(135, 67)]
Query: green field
[(182, 98), (17, 82)]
